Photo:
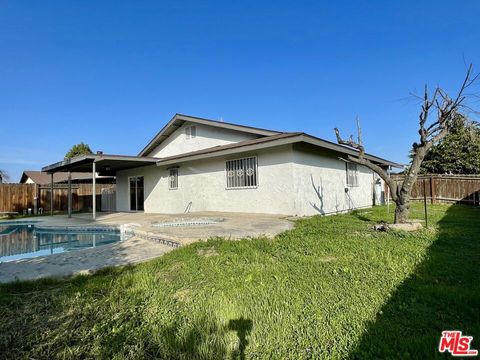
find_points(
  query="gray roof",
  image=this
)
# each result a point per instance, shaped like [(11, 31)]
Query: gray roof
[(108, 164), (179, 119), (266, 142)]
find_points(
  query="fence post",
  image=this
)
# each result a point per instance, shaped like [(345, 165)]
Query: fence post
[(425, 200), (432, 190), (69, 194), (51, 194), (35, 199)]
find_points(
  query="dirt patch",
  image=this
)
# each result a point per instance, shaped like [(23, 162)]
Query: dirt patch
[(207, 252), (183, 295), (172, 273), (410, 226), (327, 258)]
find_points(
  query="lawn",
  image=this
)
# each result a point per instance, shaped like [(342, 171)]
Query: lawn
[(329, 288)]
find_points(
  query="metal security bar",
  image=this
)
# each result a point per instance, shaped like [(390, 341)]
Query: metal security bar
[(242, 173), (352, 174), (173, 179)]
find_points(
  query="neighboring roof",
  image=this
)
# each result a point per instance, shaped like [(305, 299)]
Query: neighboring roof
[(178, 120), (105, 164), (265, 142), (42, 178)]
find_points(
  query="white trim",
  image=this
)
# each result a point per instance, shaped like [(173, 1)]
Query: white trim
[(206, 154)]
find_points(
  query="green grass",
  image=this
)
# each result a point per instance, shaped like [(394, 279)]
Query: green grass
[(330, 288)]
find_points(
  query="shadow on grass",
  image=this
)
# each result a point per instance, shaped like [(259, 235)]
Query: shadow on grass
[(442, 294), (204, 337), (243, 327), (359, 215)]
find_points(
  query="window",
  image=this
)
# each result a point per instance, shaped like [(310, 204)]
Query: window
[(352, 174), (173, 179), (242, 173), (190, 132)]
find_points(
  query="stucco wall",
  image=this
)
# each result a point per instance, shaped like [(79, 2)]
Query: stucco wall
[(122, 191), (203, 184), (293, 180), (320, 183), (206, 136)]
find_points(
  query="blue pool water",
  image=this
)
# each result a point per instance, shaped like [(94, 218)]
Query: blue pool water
[(23, 240)]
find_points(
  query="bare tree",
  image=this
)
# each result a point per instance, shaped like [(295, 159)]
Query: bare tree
[(445, 109)]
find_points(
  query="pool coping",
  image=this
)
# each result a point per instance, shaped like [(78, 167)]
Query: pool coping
[(128, 229)]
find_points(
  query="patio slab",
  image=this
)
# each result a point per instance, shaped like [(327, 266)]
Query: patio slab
[(234, 225), (138, 248), (86, 261)]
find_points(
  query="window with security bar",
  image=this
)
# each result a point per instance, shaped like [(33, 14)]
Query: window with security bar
[(352, 174), (242, 173), (173, 179)]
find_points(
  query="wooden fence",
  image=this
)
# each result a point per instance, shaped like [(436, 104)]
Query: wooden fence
[(22, 197), (16, 197), (446, 188)]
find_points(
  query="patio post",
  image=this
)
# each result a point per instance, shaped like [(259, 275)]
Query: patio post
[(94, 193), (51, 194), (69, 194)]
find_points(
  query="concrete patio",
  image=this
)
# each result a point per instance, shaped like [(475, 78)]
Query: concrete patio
[(138, 248), (233, 226)]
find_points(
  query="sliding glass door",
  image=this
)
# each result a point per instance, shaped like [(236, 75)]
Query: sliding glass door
[(136, 193)]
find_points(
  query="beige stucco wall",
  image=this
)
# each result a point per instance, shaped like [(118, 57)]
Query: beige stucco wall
[(293, 180), (203, 184), (320, 183), (206, 136), (150, 174)]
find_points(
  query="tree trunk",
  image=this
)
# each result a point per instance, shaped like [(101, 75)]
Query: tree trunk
[(401, 214)]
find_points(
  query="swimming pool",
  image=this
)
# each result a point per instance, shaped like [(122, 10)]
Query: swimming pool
[(22, 240)]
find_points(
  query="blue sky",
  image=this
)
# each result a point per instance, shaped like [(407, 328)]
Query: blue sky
[(112, 73)]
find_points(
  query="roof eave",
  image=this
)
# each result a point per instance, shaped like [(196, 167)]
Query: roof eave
[(277, 142), (348, 151), (156, 141), (49, 168), (215, 153), (65, 165)]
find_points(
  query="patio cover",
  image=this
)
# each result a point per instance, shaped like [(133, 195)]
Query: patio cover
[(105, 164), (94, 163)]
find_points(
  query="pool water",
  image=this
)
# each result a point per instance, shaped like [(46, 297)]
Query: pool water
[(22, 241)]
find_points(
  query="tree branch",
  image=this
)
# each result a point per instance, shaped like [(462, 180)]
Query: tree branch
[(392, 184), (360, 159), (351, 143), (447, 109)]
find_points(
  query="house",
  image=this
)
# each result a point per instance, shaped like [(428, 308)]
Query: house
[(43, 178), (196, 164)]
